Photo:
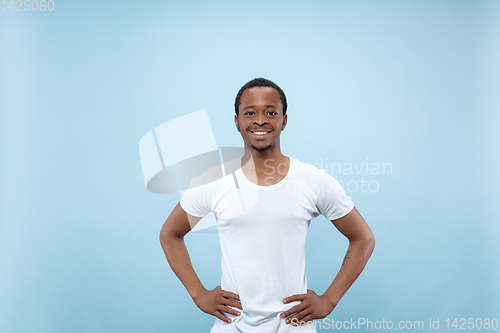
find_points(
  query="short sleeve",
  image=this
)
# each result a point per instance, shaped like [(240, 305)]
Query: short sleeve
[(196, 201), (332, 202)]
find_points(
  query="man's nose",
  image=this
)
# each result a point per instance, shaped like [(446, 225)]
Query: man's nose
[(260, 119)]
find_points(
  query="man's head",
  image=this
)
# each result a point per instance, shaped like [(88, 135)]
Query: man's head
[(260, 115), (259, 82)]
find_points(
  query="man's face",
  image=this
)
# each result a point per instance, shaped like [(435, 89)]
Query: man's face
[(260, 117)]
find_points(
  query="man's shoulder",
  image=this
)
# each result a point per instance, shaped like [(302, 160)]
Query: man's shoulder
[(306, 169)]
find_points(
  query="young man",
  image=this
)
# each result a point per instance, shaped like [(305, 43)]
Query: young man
[(263, 210)]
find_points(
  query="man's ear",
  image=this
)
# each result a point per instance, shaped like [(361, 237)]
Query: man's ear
[(284, 122), (236, 122)]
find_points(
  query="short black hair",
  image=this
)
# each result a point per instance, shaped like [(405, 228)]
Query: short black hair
[(259, 82)]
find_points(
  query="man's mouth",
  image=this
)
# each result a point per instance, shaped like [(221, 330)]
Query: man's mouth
[(260, 132)]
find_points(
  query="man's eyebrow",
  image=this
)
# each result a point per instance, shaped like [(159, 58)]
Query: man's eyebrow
[(253, 106)]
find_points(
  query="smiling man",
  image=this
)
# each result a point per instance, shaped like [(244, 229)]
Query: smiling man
[(263, 211)]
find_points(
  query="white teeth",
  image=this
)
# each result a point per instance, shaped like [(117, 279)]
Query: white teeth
[(260, 133)]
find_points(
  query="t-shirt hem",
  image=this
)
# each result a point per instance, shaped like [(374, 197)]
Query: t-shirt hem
[(189, 212), (347, 211)]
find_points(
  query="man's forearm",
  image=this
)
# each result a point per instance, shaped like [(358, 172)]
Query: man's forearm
[(357, 255), (180, 262)]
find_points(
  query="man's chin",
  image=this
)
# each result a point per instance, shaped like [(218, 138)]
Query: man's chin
[(261, 148)]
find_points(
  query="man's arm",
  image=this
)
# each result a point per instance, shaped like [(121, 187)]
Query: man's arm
[(361, 245), (172, 235)]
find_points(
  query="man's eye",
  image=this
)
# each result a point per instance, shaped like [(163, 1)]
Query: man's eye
[(249, 113), (272, 113)]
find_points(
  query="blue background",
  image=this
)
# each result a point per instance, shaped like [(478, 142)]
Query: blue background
[(410, 83)]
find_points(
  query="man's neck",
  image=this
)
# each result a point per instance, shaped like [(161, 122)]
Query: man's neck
[(263, 162)]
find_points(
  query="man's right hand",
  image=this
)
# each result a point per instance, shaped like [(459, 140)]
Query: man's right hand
[(217, 300)]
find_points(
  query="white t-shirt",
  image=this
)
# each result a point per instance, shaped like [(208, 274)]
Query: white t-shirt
[(262, 231)]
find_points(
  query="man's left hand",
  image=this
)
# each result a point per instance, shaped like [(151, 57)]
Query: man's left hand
[(312, 306)]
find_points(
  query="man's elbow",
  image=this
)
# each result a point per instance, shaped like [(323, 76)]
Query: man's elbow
[(366, 242), (164, 237), (369, 243)]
